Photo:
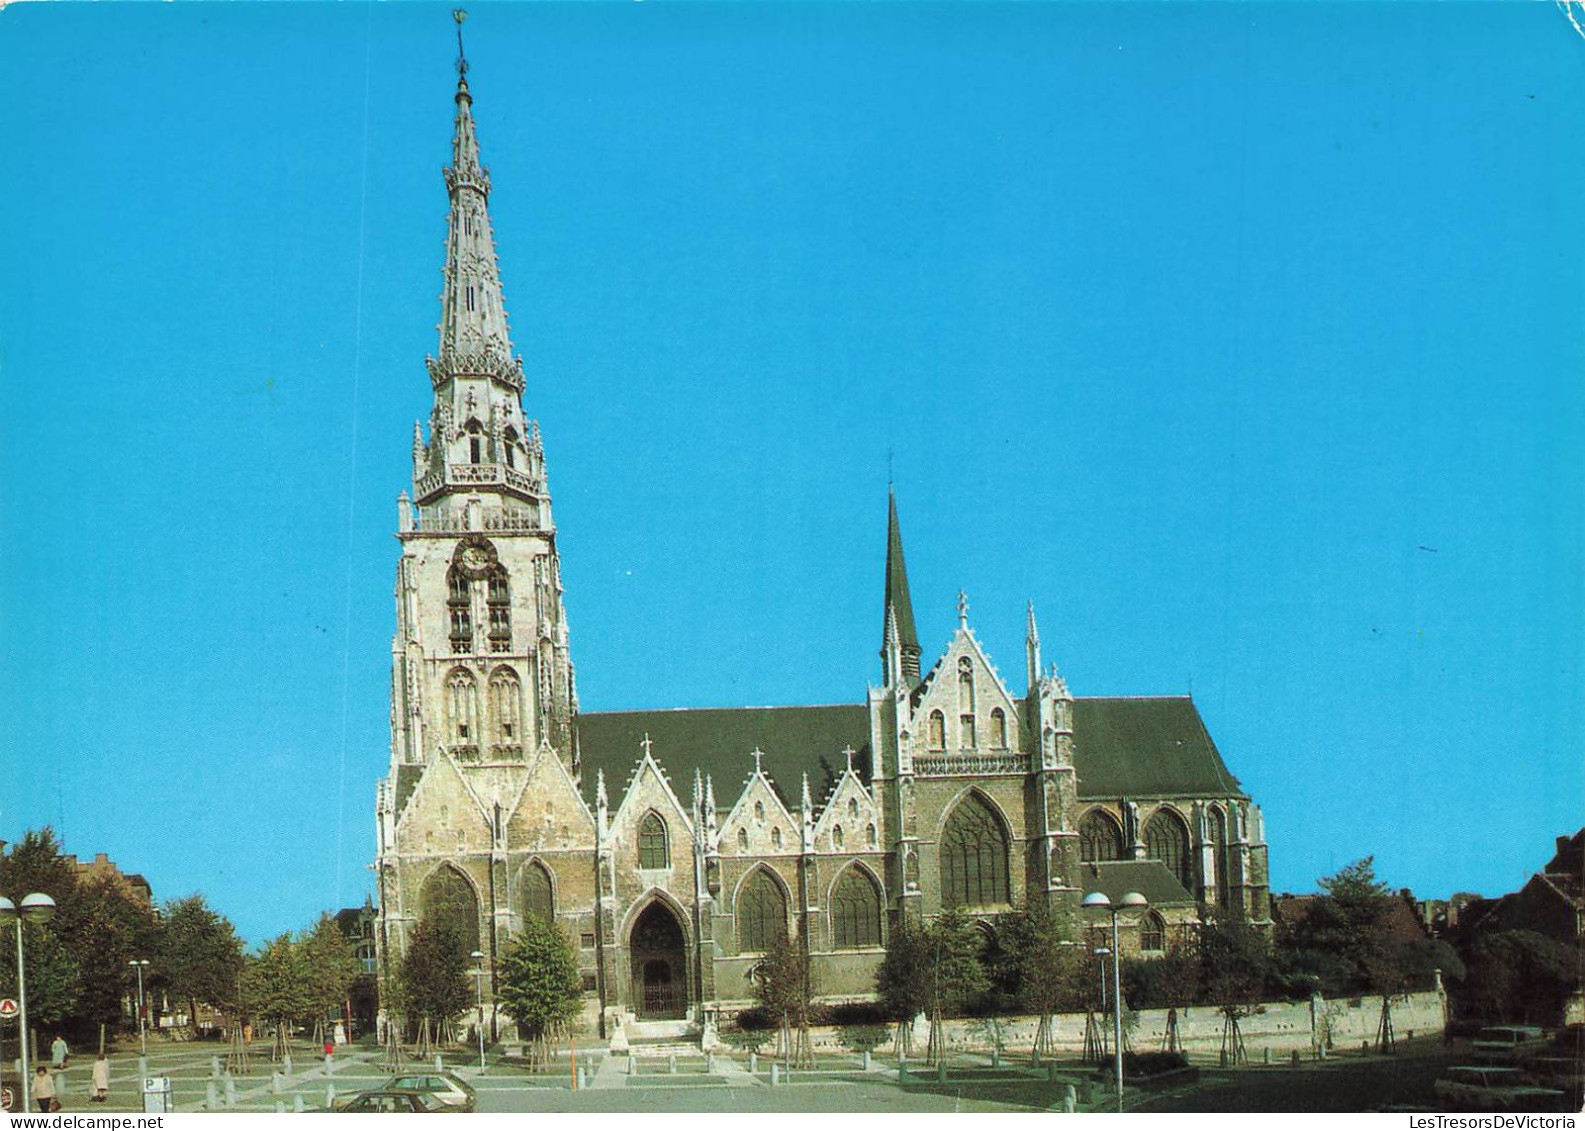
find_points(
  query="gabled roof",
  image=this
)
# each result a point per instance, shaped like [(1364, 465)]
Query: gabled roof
[(1149, 878), (1126, 747), (717, 741), (1146, 747)]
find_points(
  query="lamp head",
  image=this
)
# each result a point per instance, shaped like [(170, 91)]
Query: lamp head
[(8, 910), (1096, 899), (38, 907), (1133, 899), (477, 956)]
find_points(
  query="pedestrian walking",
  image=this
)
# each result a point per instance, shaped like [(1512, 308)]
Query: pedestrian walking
[(101, 1079), (44, 1090), (59, 1053)]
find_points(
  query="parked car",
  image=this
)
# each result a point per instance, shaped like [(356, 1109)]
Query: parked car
[(447, 1088), (1502, 1043), (396, 1100), (1487, 1087)]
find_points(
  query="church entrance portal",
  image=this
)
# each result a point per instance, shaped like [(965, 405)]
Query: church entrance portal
[(660, 965)]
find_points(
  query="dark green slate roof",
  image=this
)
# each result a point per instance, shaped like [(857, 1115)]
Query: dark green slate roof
[(1126, 747), (717, 741), (406, 781), (1116, 878), (898, 599), (1146, 748)]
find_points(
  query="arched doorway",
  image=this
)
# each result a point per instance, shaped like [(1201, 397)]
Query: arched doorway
[(660, 964)]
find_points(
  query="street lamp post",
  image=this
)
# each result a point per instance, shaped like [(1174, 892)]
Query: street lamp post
[(36, 908), (1100, 900), (141, 964), (1100, 968), (478, 990)]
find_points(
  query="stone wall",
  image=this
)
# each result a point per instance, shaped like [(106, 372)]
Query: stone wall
[(1281, 1027)]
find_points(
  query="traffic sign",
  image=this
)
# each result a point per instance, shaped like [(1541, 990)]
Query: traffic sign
[(8, 1008)]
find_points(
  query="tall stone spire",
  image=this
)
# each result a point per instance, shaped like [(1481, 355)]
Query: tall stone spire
[(899, 640), (479, 438)]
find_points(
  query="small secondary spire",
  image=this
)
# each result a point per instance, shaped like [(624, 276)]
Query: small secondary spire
[(460, 14)]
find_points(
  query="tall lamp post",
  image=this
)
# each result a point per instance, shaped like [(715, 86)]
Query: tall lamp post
[(478, 991), (140, 965), (36, 908), (1100, 901)]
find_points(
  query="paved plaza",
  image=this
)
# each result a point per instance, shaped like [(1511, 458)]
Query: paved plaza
[(724, 1083)]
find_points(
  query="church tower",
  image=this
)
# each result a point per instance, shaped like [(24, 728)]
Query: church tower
[(482, 688)]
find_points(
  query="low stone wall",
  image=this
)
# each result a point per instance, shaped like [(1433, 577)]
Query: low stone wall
[(1281, 1027)]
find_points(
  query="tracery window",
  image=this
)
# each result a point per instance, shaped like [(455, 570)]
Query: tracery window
[(856, 911), (505, 692), (998, 729), (974, 849), (761, 913), (538, 893), (1167, 840), (1153, 932), (1223, 860), (447, 897), (653, 851), (938, 731), (462, 694), (1100, 837), (459, 610), (498, 593)]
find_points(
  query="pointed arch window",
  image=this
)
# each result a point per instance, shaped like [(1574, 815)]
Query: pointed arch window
[(1153, 932), (1100, 837), (510, 438), (505, 695), (447, 900), (775, 837), (1167, 840), (1223, 859), (853, 808), (836, 836), (459, 610), (938, 731), (653, 849), (499, 603), (761, 914), (742, 840), (856, 911), (539, 893), (974, 850), (462, 702), (999, 729), (965, 687), (873, 837)]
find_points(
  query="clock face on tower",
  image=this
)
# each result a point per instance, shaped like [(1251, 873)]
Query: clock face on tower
[(476, 557)]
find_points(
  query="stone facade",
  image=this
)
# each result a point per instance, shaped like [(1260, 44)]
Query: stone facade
[(834, 824)]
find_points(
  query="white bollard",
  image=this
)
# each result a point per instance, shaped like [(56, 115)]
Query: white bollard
[(286, 1064), (438, 1066), (632, 1065), (143, 1067), (330, 1097), (753, 1063), (775, 1073), (866, 1060), (277, 1083), (671, 1066), (330, 1065), (231, 1091), (214, 1067), (297, 1102), (1070, 1098), (211, 1095), (280, 1107)]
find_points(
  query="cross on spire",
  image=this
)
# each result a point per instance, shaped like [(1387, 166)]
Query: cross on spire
[(646, 744), (963, 609), (758, 754), (460, 14), (848, 752)]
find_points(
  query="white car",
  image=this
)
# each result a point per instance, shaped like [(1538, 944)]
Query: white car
[(442, 1085), (1485, 1087)]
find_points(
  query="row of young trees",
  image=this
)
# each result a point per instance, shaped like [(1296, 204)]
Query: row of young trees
[(1038, 965), (80, 975), (536, 982)]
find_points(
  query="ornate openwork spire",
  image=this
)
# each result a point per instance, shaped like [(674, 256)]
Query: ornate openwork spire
[(474, 339)]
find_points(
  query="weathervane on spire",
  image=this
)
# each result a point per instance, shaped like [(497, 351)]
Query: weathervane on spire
[(460, 14), (963, 609)]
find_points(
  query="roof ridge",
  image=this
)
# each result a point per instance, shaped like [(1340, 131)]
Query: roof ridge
[(750, 707)]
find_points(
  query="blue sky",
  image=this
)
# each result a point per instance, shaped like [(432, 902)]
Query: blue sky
[(1245, 340)]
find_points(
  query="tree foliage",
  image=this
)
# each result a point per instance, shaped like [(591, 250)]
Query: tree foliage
[(1522, 975), (329, 966), (432, 981), (1235, 958), (1048, 966), (197, 954), (274, 983), (539, 982)]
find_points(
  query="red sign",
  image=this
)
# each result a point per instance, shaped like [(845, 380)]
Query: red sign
[(8, 1008)]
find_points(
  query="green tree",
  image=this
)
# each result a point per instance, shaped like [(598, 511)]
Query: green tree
[(110, 928), (1048, 970), (275, 987), (329, 966), (952, 952), (197, 954), (1235, 958), (53, 978), (781, 981), (432, 981), (1522, 976), (901, 981), (540, 986)]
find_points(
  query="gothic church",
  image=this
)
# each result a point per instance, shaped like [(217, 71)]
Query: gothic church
[(672, 845)]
